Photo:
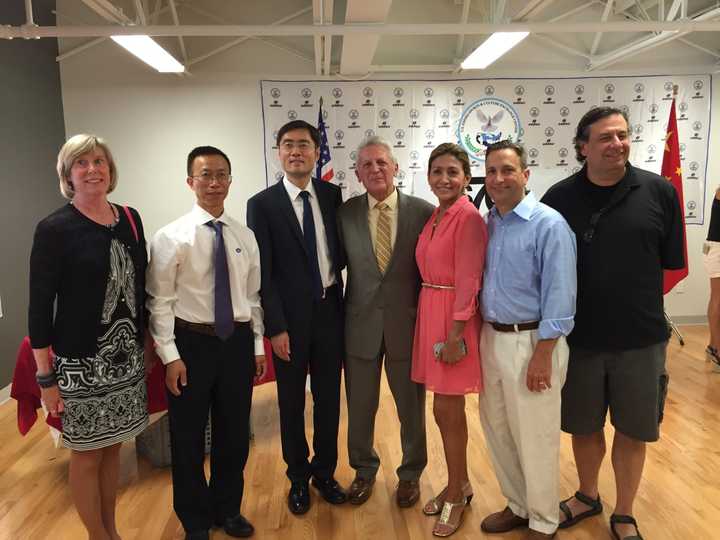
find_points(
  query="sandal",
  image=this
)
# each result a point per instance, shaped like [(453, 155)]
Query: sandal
[(570, 520), (619, 518), (711, 354), (435, 505), (443, 526)]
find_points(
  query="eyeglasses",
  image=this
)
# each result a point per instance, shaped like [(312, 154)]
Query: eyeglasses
[(207, 177), (303, 146)]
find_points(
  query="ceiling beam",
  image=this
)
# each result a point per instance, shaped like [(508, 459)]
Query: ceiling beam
[(532, 8), (598, 35), (434, 29), (176, 22), (358, 50)]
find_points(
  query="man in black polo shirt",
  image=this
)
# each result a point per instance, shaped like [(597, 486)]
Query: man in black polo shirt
[(628, 226)]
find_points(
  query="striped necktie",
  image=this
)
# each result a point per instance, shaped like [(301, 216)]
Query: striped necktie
[(383, 246)]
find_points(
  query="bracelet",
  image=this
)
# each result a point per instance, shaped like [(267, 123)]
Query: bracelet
[(47, 380)]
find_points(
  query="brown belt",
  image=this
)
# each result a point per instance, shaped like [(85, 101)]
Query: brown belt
[(500, 327), (205, 329)]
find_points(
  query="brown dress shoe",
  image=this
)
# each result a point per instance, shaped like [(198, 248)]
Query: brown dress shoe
[(360, 490), (503, 521), (408, 493), (537, 535)]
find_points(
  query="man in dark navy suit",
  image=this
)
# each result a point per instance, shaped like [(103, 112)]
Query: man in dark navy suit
[(295, 225)]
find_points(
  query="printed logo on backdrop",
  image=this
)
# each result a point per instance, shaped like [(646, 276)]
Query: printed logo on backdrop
[(533, 154), (337, 94), (414, 115), (534, 113), (429, 92), (549, 132), (579, 94), (668, 87), (609, 91), (639, 91), (429, 136), (459, 93), (682, 151), (339, 136), (368, 94), (637, 129), (445, 117), (401, 178), (549, 92), (651, 149), (697, 126), (292, 115), (487, 121), (340, 175), (691, 207), (274, 139), (519, 93), (353, 158), (564, 112), (653, 111), (399, 136), (683, 107), (354, 115), (563, 153), (698, 86), (694, 166), (275, 94), (384, 115), (369, 133), (398, 93), (414, 156), (306, 93)]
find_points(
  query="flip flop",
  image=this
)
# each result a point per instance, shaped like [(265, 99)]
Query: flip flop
[(570, 520), (620, 518)]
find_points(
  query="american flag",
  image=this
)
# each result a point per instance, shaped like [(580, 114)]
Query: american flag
[(324, 169)]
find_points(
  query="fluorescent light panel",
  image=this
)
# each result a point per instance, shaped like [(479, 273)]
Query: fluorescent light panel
[(147, 50), (492, 49)]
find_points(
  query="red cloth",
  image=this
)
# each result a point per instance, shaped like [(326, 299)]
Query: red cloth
[(672, 171), (26, 391)]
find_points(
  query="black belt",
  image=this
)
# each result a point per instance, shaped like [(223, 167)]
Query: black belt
[(205, 329), (500, 327)]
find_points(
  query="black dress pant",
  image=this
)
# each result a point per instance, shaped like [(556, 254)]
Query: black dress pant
[(219, 381), (321, 355)]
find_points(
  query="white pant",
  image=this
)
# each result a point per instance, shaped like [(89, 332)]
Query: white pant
[(522, 428)]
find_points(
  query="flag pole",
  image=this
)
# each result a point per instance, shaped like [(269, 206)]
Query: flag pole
[(671, 324)]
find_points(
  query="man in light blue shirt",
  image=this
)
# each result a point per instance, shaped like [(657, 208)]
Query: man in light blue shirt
[(528, 305)]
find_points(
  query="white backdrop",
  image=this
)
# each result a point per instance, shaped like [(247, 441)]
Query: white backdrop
[(415, 116)]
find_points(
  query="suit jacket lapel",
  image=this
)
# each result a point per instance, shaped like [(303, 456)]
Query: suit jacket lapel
[(401, 226), (286, 207), (361, 219)]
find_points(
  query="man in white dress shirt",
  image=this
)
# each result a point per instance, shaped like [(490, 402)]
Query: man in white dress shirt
[(203, 283)]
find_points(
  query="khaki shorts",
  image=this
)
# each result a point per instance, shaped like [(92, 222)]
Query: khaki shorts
[(711, 258), (632, 384)]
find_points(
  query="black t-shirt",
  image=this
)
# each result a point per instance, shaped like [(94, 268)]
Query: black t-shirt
[(714, 229), (620, 264)]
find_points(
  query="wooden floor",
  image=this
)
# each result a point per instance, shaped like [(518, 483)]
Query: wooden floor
[(679, 496)]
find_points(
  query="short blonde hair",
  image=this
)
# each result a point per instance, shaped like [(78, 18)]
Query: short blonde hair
[(75, 147)]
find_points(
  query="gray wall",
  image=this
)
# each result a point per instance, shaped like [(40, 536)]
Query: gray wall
[(32, 130)]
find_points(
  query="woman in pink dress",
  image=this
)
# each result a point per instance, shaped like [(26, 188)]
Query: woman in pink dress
[(450, 254)]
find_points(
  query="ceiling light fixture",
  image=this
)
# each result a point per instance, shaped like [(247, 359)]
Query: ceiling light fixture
[(492, 48), (147, 50)]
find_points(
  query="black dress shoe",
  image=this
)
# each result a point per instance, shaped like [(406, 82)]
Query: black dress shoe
[(299, 498), (197, 535), (237, 526), (330, 490)]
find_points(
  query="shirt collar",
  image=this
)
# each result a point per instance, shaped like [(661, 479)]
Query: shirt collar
[(523, 209), (390, 200), (201, 216), (294, 191)]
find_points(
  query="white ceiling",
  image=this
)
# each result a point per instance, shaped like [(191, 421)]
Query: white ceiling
[(360, 38)]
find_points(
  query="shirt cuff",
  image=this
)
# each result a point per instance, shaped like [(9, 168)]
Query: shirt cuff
[(168, 353), (554, 328), (259, 346)]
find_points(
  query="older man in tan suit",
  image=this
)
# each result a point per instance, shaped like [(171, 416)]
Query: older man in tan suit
[(379, 231)]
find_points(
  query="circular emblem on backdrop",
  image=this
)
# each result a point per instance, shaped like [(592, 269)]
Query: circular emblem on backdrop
[(668, 86), (682, 147), (549, 132), (651, 149), (428, 92), (444, 114), (683, 107), (639, 88), (564, 111), (519, 90), (575, 170), (292, 115), (325, 114), (691, 205), (369, 133), (414, 114), (275, 92), (653, 108), (534, 112), (384, 114), (563, 152), (579, 89), (489, 90), (459, 91), (533, 153), (697, 85), (484, 122), (694, 165), (609, 88), (274, 135), (430, 134), (367, 92), (414, 155), (339, 135), (353, 114), (549, 90), (638, 129), (279, 176), (398, 92), (697, 126), (401, 175), (306, 93), (340, 175), (625, 109), (399, 133), (353, 155), (337, 93)]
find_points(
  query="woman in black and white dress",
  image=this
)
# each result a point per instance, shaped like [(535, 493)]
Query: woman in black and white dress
[(87, 283)]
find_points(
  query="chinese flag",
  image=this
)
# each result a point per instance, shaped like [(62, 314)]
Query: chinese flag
[(672, 171)]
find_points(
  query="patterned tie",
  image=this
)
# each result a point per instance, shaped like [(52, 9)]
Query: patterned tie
[(383, 247), (311, 244), (224, 325)]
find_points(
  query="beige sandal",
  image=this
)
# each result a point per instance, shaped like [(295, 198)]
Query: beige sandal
[(444, 526), (435, 505)]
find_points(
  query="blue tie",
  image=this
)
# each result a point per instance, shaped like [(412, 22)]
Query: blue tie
[(311, 244), (224, 325)]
